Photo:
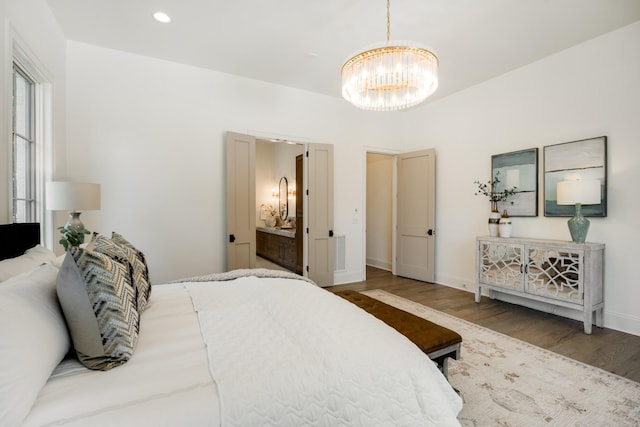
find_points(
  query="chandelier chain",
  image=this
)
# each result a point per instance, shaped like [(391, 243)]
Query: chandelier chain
[(388, 21)]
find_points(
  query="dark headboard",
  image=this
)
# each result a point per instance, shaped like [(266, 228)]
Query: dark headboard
[(15, 239)]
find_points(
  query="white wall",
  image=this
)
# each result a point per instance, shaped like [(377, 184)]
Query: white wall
[(152, 131), (30, 24), (273, 161), (286, 167), (265, 178), (586, 91)]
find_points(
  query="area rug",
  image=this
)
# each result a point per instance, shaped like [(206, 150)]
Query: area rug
[(507, 382)]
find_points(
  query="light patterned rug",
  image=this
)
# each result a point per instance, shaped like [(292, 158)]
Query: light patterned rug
[(507, 382)]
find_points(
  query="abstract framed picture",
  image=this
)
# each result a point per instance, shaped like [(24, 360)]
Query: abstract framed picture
[(585, 159), (518, 169)]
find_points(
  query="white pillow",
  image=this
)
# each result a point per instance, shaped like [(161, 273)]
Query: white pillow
[(31, 259), (33, 340)]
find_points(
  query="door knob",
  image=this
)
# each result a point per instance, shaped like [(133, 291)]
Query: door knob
[(430, 232)]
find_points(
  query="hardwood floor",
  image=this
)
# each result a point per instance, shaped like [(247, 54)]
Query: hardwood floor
[(607, 349)]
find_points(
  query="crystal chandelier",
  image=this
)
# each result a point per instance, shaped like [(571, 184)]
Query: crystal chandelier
[(390, 76)]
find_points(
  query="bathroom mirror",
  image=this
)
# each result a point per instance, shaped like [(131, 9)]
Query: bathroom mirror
[(283, 199)]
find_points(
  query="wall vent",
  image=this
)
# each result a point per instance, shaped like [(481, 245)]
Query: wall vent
[(341, 252)]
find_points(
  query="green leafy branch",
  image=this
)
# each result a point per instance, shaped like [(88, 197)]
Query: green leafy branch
[(71, 237), (486, 189)]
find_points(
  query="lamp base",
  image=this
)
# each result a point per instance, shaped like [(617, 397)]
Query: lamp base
[(74, 221), (578, 226)]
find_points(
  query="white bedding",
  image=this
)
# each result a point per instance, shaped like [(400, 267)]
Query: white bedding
[(250, 356), (166, 382)]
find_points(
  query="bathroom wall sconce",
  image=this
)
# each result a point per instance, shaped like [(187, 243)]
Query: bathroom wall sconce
[(291, 192)]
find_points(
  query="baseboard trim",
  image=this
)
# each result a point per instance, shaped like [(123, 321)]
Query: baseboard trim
[(378, 263), (612, 320), (340, 278), (621, 322)]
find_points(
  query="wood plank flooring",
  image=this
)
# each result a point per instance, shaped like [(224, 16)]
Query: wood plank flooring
[(607, 349)]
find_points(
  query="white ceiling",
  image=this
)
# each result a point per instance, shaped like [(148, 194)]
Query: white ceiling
[(303, 43)]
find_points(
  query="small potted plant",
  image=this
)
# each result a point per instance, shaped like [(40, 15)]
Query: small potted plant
[(488, 189), (71, 236)]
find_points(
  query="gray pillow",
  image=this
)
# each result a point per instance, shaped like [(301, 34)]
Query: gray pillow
[(99, 303)]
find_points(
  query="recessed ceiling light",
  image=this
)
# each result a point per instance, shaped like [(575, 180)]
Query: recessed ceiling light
[(162, 17)]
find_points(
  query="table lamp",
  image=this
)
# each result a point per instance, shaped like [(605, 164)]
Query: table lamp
[(72, 197), (578, 192)]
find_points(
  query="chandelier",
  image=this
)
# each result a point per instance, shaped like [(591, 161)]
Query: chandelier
[(389, 76)]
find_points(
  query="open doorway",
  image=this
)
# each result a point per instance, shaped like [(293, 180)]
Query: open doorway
[(279, 184), (379, 210), (242, 210), (400, 213)]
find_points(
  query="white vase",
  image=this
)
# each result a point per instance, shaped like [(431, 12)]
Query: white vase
[(494, 220), (270, 221), (504, 227)]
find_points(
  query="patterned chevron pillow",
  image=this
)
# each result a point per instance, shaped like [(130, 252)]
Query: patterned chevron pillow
[(140, 268), (99, 302), (117, 249)]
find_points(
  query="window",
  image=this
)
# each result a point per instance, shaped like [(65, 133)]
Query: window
[(23, 148), (30, 143)]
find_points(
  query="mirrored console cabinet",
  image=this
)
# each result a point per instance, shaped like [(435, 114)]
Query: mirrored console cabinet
[(565, 274)]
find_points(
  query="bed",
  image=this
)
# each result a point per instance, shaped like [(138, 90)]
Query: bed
[(245, 348)]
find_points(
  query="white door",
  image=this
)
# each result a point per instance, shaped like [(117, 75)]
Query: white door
[(320, 242), (241, 201), (416, 215)]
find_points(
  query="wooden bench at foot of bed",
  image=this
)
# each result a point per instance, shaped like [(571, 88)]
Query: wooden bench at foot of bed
[(437, 342)]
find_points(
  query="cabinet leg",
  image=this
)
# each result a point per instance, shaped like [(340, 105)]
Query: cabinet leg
[(599, 318), (588, 320), (478, 294)]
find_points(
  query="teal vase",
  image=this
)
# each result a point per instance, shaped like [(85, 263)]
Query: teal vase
[(578, 226)]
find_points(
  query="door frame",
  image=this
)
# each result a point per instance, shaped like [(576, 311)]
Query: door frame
[(241, 236), (319, 213), (307, 147), (394, 205), (428, 274)]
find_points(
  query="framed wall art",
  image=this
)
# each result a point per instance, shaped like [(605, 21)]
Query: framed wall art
[(585, 159), (518, 169)]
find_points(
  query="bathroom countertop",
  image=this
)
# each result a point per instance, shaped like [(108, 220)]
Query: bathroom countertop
[(288, 232)]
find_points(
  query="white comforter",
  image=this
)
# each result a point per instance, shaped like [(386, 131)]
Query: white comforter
[(255, 352)]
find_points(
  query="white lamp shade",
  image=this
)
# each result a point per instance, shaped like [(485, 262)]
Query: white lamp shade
[(72, 196), (586, 192)]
